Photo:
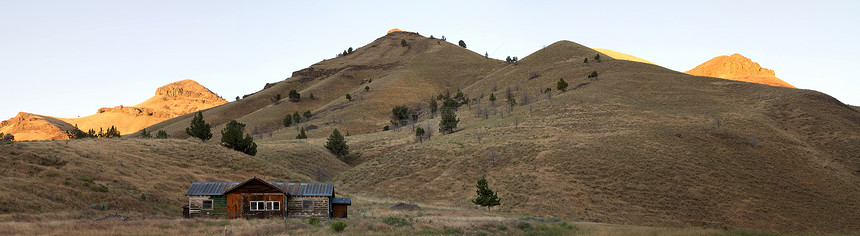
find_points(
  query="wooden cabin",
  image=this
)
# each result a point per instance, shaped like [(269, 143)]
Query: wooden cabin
[(256, 198)]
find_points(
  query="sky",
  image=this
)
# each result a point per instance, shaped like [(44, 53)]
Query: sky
[(69, 58)]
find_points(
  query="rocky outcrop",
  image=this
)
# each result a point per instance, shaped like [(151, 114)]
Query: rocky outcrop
[(739, 68)]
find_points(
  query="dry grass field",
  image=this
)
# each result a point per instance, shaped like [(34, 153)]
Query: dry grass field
[(368, 216), (637, 145)]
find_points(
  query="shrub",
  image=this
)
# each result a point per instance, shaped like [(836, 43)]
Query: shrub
[(162, 135), (367, 88), (336, 144), (338, 226), (385, 128), (396, 221), (307, 114), (302, 134), (314, 221), (294, 96), (349, 51), (403, 42), (561, 85), (462, 44), (288, 120), (296, 117), (100, 188), (311, 96), (199, 128), (143, 134), (524, 225), (231, 137), (348, 97), (597, 57), (593, 74), (585, 60), (434, 106), (419, 133)]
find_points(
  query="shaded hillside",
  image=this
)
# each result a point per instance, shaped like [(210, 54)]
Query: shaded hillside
[(140, 177), (740, 68), (393, 74), (639, 144), (26, 126)]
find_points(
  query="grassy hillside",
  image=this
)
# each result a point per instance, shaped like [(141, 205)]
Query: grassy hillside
[(138, 177), (638, 144)]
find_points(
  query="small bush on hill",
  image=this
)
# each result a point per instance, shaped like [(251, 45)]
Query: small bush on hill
[(145, 134), (297, 118), (302, 134), (524, 225), (462, 44), (396, 221), (593, 74), (419, 134), (307, 114), (338, 226), (561, 85), (294, 96), (314, 221), (162, 135), (288, 120), (348, 97), (403, 42)]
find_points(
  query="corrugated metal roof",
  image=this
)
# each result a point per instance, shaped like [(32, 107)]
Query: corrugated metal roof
[(341, 200), (209, 188), (294, 189), (307, 189)]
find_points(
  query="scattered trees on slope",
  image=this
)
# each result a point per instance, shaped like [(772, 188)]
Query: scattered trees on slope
[(162, 135), (145, 134), (199, 128), (231, 137)]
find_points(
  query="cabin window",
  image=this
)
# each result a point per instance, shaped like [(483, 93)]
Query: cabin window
[(258, 205), (207, 204), (307, 205), (273, 206)]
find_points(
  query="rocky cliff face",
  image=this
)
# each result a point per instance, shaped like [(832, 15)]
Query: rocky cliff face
[(179, 98), (739, 68)]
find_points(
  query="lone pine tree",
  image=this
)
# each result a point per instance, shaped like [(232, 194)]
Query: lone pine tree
[(231, 137), (199, 128), (337, 144), (486, 196)]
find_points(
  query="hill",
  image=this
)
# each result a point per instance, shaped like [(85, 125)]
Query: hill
[(170, 100), (26, 126), (637, 144), (622, 56), (739, 68)]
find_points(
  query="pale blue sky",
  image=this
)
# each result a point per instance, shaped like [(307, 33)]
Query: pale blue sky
[(69, 58)]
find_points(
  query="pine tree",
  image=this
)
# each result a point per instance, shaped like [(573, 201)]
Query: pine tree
[(337, 144), (597, 57), (231, 137), (288, 120), (449, 120), (585, 60), (348, 97), (403, 42), (302, 134), (486, 196), (434, 106), (297, 118), (493, 99), (349, 51), (561, 85), (419, 134), (462, 44), (366, 88), (199, 128), (307, 114)]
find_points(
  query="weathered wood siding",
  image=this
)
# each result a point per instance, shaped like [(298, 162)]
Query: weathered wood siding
[(338, 211), (195, 205), (321, 207)]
